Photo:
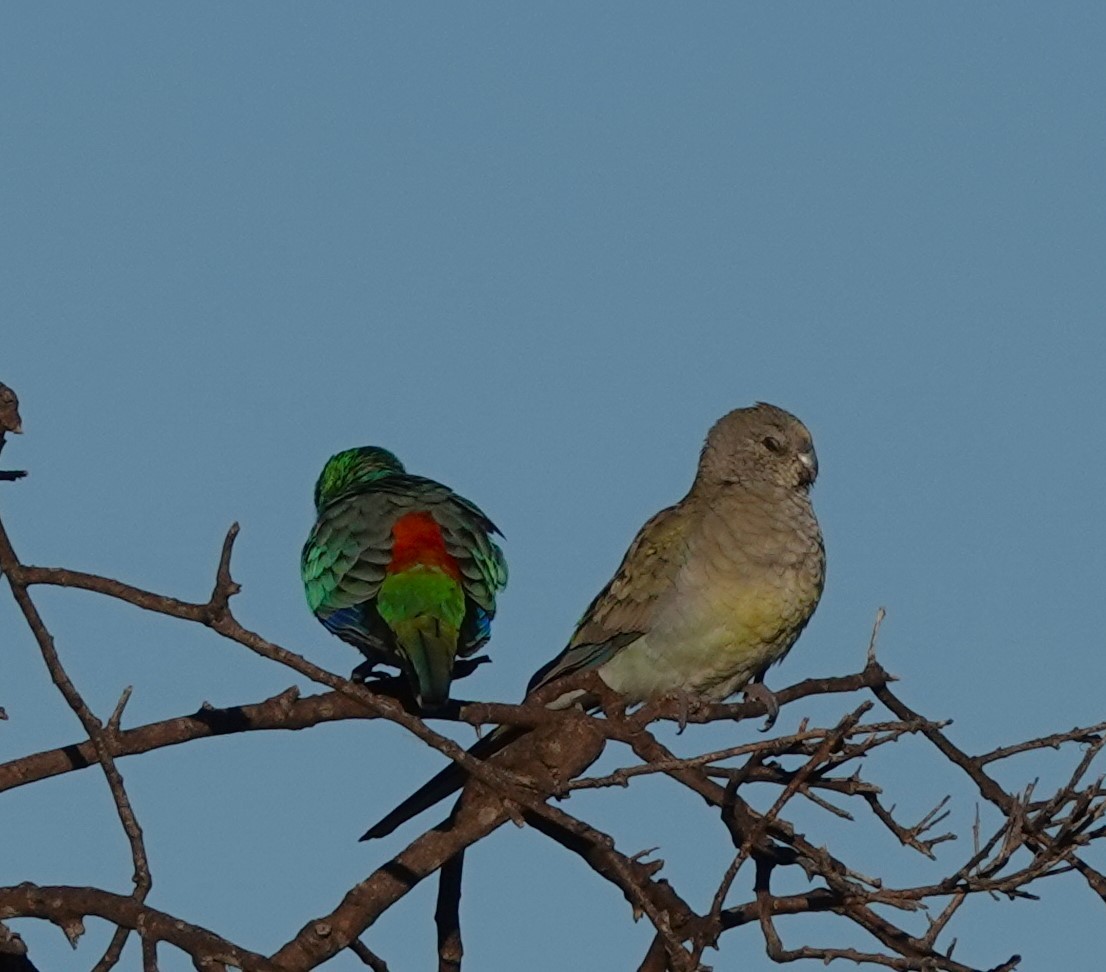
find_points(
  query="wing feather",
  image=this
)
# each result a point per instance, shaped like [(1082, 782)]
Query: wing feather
[(623, 610)]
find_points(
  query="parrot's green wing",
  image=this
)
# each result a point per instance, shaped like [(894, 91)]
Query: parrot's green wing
[(467, 531), (345, 558)]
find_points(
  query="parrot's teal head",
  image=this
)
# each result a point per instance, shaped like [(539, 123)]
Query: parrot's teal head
[(348, 470)]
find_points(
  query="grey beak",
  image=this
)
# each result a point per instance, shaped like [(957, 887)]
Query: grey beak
[(809, 459)]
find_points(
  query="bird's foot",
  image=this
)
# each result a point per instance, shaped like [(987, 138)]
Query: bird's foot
[(759, 692), (686, 704), (587, 689), (463, 667), (366, 671), (11, 475)]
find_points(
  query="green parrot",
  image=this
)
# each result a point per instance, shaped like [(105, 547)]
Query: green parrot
[(711, 593), (402, 568)]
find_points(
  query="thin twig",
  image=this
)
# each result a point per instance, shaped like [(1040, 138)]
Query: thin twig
[(9, 563)]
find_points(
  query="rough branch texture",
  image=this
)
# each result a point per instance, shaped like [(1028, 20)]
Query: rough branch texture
[(1039, 835)]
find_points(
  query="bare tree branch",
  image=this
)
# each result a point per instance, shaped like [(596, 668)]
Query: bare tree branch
[(1032, 836), (63, 905), (9, 562)]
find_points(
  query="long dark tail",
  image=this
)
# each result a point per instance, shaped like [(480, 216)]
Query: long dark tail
[(448, 781)]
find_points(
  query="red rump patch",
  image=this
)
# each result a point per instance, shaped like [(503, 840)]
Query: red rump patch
[(417, 539)]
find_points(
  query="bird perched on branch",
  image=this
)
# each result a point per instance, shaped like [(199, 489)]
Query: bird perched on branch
[(712, 591), (402, 568), (9, 422), (9, 411)]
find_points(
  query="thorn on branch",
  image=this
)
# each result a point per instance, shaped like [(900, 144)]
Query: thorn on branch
[(73, 928), (934, 816), (818, 801), (225, 585), (116, 716), (368, 956), (515, 813), (286, 699), (880, 615)]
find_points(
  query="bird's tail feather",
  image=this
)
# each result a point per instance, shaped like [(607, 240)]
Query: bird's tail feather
[(429, 644), (448, 781)]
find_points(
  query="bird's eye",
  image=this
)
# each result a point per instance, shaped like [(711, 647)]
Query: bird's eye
[(772, 444)]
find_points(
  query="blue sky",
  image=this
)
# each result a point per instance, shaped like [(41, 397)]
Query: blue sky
[(537, 252)]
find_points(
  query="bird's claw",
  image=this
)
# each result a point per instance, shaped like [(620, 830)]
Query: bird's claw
[(366, 671), (759, 692), (686, 704), (463, 667)]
